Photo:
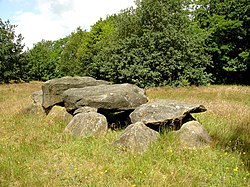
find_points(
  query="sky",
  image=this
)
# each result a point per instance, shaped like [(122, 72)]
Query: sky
[(54, 19)]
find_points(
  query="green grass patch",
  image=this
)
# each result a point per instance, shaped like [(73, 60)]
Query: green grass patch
[(35, 152)]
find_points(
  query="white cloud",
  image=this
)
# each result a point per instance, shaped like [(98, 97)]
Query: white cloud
[(53, 19)]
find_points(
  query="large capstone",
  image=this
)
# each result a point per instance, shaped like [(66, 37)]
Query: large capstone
[(136, 138), (159, 114), (116, 97), (53, 89)]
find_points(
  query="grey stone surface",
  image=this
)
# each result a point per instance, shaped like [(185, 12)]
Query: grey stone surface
[(136, 138), (111, 97), (32, 109), (36, 106), (193, 135), (53, 89), (88, 124), (84, 109), (165, 112), (58, 113), (37, 97)]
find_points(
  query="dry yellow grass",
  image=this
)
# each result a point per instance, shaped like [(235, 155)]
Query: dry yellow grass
[(228, 114), (13, 97), (36, 152), (229, 103)]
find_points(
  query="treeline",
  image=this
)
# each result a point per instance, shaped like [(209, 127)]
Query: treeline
[(160, 42)]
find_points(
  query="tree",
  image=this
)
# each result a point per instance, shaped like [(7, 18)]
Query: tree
[(154, 45), (43, 61), (11, 65), (58, 48), (99, 37), (228, 24), (69, 61)]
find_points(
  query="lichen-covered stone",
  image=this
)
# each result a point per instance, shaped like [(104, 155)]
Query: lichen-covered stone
[(165, 112), (88, 124), (114, 97), (53, 89), (58, 113), (37, 97), (136, 138), (84, 109), (193, 135)]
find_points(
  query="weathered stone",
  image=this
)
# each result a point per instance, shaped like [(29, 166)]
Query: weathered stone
[(165, 113), (37, 97), (88, 124), (32, 109), (36, 106), (58, 113), (136, 138), (193, 135), (53, 89), (85, 109), (114, 97)]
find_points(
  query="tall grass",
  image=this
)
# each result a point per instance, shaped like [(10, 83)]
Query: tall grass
[(228, 115), (35, 152)]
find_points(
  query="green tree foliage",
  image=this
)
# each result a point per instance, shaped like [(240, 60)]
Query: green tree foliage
[(154, 45), (160, 42), (43, 60), (228, 23), (11, 63), (69, 61), (81, 46), (99, 37)]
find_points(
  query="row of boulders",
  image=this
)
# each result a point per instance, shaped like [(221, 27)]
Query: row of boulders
[(97, 105)]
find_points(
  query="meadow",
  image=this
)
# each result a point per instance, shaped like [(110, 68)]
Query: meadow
[(34, 150)]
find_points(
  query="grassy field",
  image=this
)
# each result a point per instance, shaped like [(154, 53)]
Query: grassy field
[(34, 151)]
